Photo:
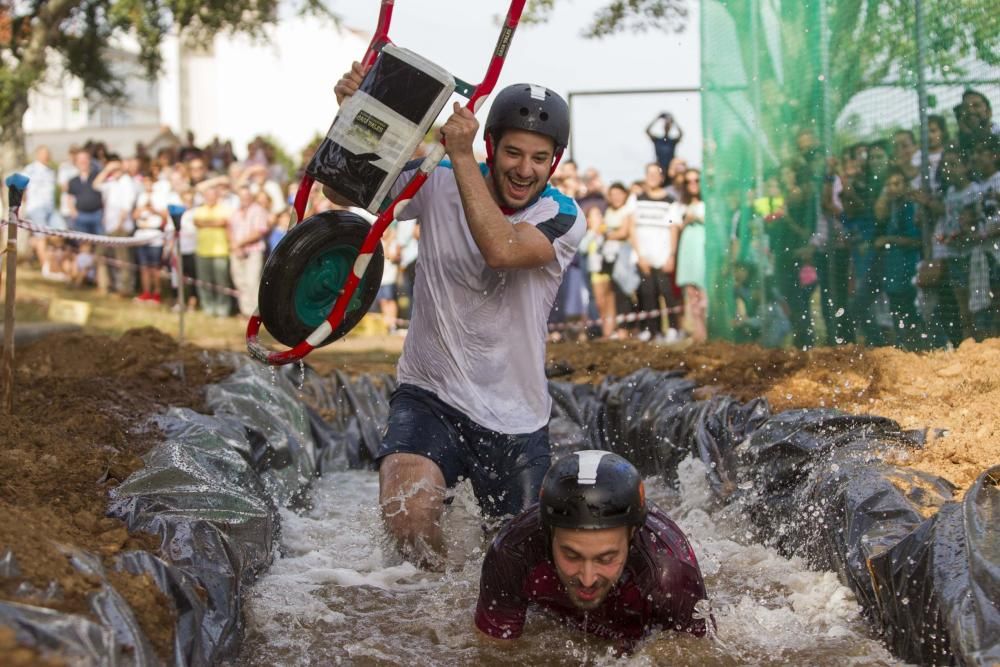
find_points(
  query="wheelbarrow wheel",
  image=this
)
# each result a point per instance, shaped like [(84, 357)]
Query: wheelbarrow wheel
[(304, 275)]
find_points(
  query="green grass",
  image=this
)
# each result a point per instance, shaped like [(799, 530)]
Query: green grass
[(113, 315)]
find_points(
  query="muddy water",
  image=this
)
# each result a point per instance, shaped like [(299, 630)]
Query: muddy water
[(338, 596)]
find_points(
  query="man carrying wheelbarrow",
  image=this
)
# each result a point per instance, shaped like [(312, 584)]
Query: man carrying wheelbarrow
[(495, 238)]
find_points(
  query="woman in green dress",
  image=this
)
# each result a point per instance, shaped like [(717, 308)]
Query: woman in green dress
[(691, 257)]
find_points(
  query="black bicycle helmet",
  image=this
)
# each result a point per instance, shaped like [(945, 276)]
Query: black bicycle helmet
[(590, 490), (525, 106)]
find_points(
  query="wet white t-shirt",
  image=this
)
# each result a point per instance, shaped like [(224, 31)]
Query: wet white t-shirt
[(477, 335), (654, 220)]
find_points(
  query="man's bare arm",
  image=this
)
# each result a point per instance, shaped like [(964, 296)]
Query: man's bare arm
[(503, 245)]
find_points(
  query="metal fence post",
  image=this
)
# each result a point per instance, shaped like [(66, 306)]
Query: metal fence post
[(925, 161)]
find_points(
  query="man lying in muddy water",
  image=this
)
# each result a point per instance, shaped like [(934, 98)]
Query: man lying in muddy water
[(592, 552), (495, 239)]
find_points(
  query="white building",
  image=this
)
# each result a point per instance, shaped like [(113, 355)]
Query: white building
[(234, 89)]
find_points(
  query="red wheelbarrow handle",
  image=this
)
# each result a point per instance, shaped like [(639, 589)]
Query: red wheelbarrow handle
[(381, 37)]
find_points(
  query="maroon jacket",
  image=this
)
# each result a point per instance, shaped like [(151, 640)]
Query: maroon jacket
[(659, 586)]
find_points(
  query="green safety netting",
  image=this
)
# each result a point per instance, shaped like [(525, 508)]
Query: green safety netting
[(846, 70)]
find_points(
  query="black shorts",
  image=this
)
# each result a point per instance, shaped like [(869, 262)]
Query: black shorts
[(506, 470)]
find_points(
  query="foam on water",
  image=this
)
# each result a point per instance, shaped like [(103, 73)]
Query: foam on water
[(339, 595)]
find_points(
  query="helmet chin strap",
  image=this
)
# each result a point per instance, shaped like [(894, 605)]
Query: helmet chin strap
[(555, 163)]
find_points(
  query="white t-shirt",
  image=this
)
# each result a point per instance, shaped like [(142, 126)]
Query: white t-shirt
[(149, 225), (477, 335), (390, 269), (41, 192), (120, 196), (188, 233), (408, 243), (654, 219)]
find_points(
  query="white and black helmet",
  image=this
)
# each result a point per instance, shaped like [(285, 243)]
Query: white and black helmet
[(591, 490), (526, 106)]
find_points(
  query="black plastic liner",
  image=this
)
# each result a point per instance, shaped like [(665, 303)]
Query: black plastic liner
[(924, 566), (210, 491)]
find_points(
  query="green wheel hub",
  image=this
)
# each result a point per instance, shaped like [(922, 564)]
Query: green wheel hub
[(320, 283)]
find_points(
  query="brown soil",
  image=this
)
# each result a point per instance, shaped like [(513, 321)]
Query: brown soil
[(955, 391), (73, 434)]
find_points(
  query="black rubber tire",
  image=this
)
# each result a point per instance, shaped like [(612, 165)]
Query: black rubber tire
[(304, 243)]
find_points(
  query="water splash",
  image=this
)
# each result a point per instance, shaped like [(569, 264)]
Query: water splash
[(341, 595)]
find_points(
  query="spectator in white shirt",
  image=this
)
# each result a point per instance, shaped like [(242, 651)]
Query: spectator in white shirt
[(39, 203)]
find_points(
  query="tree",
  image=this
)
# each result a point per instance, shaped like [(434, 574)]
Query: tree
[(883, 37), (633, 15), (80, 32)]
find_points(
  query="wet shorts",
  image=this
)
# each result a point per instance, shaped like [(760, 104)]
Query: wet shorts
[(506, 470)]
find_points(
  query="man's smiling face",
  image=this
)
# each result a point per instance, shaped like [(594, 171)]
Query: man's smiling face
[(522, 161)]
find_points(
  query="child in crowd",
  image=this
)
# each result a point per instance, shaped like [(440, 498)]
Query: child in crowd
[(150, 225), (82, 269)]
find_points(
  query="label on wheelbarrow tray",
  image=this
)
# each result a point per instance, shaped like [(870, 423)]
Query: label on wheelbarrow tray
[(365, 125), (379, 127), (368, 129)]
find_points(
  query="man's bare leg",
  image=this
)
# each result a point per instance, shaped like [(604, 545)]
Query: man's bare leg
[(411, 493)]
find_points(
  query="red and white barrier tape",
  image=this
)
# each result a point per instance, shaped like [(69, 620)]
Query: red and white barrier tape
[(129, 241), (96, 239), (167, 272), (187, 279)]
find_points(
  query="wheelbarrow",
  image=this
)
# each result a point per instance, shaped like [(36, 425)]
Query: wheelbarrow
[(324, 274)]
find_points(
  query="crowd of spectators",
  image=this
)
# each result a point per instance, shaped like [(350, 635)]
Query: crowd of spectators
[(893, 260), (857, 240), (235, 212), (640, 271)]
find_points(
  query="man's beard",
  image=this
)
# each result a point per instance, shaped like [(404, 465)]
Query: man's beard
[(601, 587), (498, 185)]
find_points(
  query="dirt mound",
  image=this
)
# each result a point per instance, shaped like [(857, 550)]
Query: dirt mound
[(952, 395), (75, 432)]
